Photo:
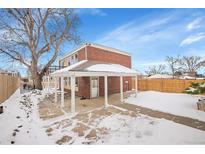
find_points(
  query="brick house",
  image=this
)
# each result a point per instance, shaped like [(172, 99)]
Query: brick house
[(92, 86)]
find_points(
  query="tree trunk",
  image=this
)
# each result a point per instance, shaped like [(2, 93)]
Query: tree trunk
[(37, 82)]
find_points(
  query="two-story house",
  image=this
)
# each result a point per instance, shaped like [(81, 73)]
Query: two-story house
[(89, 87)]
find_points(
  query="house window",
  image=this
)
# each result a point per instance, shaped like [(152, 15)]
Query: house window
[(76, 56), (68, 63)]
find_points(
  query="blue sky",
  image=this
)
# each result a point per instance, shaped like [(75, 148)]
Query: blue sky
[(148, 34)]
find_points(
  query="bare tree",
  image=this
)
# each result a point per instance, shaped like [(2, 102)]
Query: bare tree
[(156, 69), (173, 64), (30, 35), (192, 63)]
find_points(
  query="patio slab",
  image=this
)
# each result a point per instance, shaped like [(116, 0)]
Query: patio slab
[(49, 109)]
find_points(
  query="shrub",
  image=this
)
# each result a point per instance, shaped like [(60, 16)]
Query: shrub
[(195, 85), (195, 88)]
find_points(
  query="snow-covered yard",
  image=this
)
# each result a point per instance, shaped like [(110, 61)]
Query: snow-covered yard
[(20, 124), (178, 104)]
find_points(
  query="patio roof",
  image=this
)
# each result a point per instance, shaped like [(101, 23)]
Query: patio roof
[(92, 68), (95, 68)]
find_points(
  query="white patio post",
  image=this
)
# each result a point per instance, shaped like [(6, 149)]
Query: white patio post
[(48, 88), (56, 86), (121, 88), (72, 94), (136, 86), (62, 91), (105, 91)]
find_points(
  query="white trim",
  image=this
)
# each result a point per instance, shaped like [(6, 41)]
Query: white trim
[(48, 88), (121, 88), (56, 96), (109, 49), (91, 73), (62, 92), (72, 94), (106, 91)]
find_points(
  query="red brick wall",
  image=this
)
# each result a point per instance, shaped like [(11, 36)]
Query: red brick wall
[(114, 85), (84, 86), (110, 57), (81, 54)]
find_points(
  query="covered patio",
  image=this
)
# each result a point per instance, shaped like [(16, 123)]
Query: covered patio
[(87, 68), (49, 109)]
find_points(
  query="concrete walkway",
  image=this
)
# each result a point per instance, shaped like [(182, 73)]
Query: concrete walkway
[(158, 114)]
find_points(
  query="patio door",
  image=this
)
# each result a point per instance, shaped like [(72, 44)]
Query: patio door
[(94, 87)]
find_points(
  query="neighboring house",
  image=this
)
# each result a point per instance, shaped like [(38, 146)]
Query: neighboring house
[(186, 77), (10, 72), (90, 87), (190, 74)]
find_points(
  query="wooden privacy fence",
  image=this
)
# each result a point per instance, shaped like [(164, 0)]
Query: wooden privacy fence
[(164, 85), (8, 85)]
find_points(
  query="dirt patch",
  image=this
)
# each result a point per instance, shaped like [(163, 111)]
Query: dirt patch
[(102, 112), (84, 117), (114, 110), (92, 135), (129, 113), (103, 130), (49, 111), (49, 130), (63, 140), (80, 129), (60, 124)]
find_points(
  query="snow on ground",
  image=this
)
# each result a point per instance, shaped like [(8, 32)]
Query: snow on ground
[(147, 130), (178, 104), (20, 124)]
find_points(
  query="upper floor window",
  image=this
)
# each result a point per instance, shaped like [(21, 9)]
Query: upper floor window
[(76, 56)]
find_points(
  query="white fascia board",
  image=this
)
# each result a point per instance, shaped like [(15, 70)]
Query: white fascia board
[(84, 74)]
